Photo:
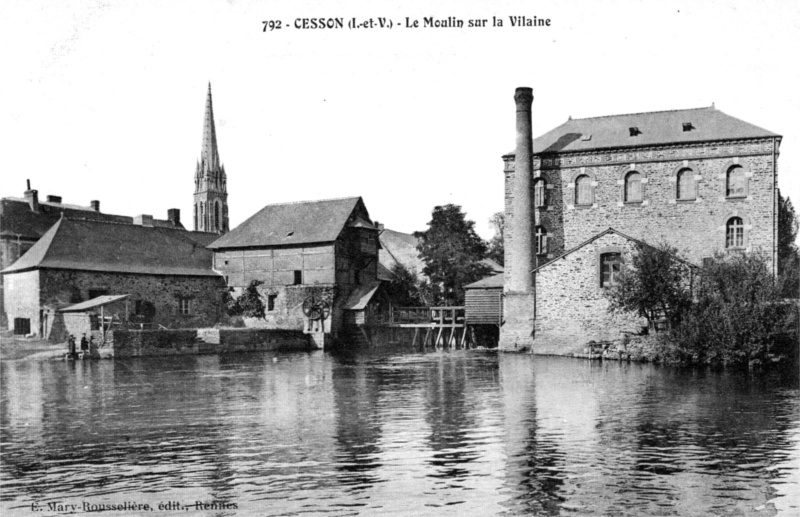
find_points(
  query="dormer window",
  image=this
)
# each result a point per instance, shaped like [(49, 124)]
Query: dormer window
[(634, 131), (687, 126), (586, 138)]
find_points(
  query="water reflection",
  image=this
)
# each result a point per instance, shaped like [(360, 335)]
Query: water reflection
[(404, 433)]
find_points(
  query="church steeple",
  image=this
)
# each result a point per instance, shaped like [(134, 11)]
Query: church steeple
[(210, 181)]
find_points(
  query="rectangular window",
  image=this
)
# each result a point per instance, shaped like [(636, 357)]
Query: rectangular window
[(271, 302), (184, 306), (298, 277), (539, 194), (610, 266)]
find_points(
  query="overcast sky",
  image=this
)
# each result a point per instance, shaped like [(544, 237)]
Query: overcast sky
[(104, 100)]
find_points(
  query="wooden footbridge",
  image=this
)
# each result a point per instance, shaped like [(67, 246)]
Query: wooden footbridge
[(442, 326)]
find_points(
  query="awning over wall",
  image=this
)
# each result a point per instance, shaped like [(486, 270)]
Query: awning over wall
[(359, 298), (94, 302)]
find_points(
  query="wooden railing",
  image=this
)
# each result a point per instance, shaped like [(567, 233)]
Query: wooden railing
[(426, 315)]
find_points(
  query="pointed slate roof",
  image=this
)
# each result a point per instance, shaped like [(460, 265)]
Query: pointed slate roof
[(597, 236), (18, 220), (654, 128), (209, 155), (288, 224), (119, 248)]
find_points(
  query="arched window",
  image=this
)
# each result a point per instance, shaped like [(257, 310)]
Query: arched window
[(541, 240), (583, 190), (202, 218), (686, 185), (735, 182), (216, 215), (734, 233), (539, 192), (633, 187), (195, 217)]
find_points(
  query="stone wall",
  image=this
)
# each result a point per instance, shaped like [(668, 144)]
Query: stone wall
[(571, 309), (61, 288), (136, 343), (276, 266), (696, 227), (21, 298)]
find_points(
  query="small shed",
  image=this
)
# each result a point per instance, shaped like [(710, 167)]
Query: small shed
[(84, 317), (483, 301), (366, 305)]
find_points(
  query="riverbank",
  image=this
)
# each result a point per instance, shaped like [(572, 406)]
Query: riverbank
[(17, 348)]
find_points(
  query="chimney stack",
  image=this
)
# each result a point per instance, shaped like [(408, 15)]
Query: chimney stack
[(519, 296), (174, 216), (95, 204), (32, 197), (53, 199), (521, 227), (143, 220)]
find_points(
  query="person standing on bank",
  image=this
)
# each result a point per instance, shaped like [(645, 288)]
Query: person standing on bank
[(84, 344), (71, 343)]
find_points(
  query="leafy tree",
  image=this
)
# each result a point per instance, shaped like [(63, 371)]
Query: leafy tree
[(496, 248), (655, 284), (249, 304), (788, 252), (739, 316), (404, 288), (452, 253)]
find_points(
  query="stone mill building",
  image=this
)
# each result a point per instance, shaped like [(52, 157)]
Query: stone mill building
[(578, 197)]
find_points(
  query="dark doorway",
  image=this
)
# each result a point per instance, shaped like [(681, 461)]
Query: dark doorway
[(22, 326)]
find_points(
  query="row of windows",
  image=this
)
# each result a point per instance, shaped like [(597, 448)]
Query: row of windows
[(214, 224), (633, 191), (734, 236)]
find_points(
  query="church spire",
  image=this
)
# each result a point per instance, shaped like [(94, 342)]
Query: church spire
[(209, 156), (210, 182)]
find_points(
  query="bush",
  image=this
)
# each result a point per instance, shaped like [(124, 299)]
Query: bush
[(729, 312), (655, 285), (249, 304), (738, 317)]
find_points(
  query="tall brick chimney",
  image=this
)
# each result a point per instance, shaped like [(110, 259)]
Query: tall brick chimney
[(32, 197), (521, 280), (516, 334), (174, 216)]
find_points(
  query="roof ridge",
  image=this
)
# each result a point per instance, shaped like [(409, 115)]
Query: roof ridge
[(312, 201), (712, 107), (104, 221)]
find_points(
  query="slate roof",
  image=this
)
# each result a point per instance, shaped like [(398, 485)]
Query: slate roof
[(287, 224), (360, 297), (656, 128), (399, 247), (597, 236), (121, 248), (490, 282), (18, 220), (95, 302)]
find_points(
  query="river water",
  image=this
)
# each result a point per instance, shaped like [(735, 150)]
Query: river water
[(394, 433)]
